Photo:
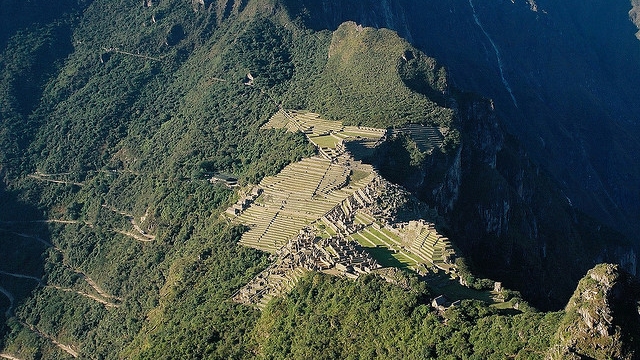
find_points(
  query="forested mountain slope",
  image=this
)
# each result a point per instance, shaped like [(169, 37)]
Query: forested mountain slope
[(114, 114)]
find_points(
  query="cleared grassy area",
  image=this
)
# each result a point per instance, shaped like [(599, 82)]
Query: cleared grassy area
[(388, 240), (390, 235), (386, 258), (382, 247), (324, 141), (357, 175), (415, 259), (503, 305), (362, 240), (405, 259), (376, 240)]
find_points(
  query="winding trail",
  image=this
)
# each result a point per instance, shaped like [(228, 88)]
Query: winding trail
[(38, 173), (101, 299), (89, 281), (142, 56), (66, 348), (22, 276), (7, 356), (97, 288), (44, 178), (135, 236), (144, 237), (87, 295), (495, 49)]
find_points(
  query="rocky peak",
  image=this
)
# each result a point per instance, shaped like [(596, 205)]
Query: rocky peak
[(602, 317)]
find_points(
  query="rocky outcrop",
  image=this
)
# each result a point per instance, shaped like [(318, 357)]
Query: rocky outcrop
[(634, 15), (447, 193), (602, 318)]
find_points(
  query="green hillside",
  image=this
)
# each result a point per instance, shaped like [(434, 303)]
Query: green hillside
[(114, 115), (362, 81)]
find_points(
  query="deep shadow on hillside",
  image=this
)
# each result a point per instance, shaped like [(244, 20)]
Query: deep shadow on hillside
[(23, 242), (510, 219), (17, 15)]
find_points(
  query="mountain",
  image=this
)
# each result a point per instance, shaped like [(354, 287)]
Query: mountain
[(116, 114), (561, 76), (600, 316)]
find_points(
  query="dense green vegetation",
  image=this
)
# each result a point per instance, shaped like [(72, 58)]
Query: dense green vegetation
[(362, 83), (328, 318), (123, 110)]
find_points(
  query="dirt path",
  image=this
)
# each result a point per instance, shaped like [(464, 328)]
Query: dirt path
[(65, 222), (66, 348), (89, 281), (115, 50), (7, 356), (142, 232), (22, 276), (97, 288), (44, 178), (11, 301), (81, 293), (143, 235), (94, 286), (38, 173), (135, 236)]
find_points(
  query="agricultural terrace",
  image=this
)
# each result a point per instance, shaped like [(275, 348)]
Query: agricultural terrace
[(327, 135), (426, 137), (299, 195), (417, 244), (315, 212), (306, 192)]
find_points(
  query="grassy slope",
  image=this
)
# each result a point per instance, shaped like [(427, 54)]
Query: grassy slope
[(361, 83)]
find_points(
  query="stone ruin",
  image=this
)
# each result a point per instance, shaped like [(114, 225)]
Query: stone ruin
[(304, 253)]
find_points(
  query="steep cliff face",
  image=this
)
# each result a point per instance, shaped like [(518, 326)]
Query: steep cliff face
[(515, 222), (602, 318), (505, 213), (562, 77), (634, 15)]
